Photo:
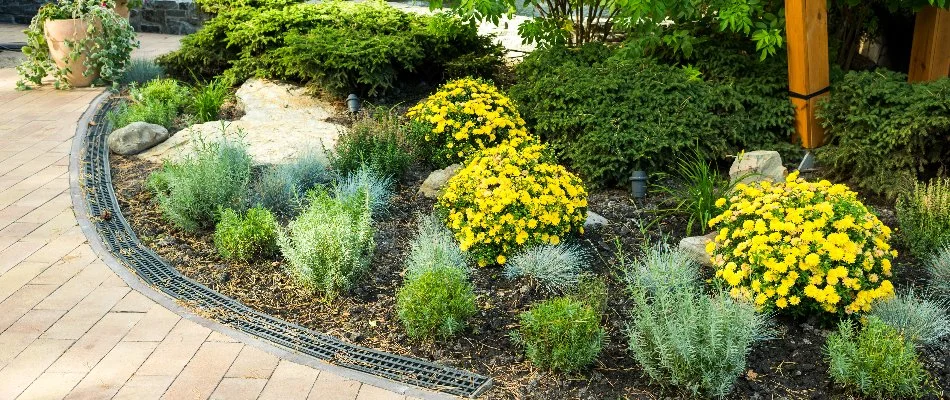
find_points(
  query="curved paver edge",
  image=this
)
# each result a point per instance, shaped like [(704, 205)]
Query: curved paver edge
[(80, 210)]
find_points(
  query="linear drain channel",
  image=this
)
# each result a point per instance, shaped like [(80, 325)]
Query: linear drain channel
[(118, 237)]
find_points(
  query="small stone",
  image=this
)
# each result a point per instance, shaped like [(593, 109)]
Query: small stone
[(755, 166), (224, 277), (594, 220), (434, 183), (695, 247), (136, 137)]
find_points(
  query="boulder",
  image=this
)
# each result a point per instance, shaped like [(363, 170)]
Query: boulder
[(695, 247), (136, 137), (594, 220), (281, 122), (432, 186), (756, 166)]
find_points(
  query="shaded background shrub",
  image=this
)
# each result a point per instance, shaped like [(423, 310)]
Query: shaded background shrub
[(609, 114), (191, 191), (882, 132), (342, 46)]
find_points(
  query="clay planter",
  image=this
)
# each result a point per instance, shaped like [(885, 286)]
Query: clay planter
[(57, 32), (122, 8)]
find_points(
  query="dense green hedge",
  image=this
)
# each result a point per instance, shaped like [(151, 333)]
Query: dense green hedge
[(608, 114), (341, 46), (882, 132)]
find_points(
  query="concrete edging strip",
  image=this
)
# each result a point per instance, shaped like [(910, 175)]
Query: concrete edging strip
[(80, 210)]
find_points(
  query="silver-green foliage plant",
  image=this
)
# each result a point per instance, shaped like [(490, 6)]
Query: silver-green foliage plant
[(924, 216), (938, 265), (919, 320), (876, 360), (282, 188), (376, 188), (142, 70), (107, 46), (660, 268), (434, 246), (556, 268), (330, 244), (563, 334), (191, 191), (242, 238), (684, 337)]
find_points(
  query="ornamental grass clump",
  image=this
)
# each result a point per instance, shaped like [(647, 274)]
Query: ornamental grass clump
[(433, 246), (282, 188), (924, 216), (556, 268), (562, 334), (938, 265), (801, 247), (330, 245), (466, 115), (509, 197), (241, 238), (190, 192), (376, 188), (680, 335), (876, 360), (917, 319)]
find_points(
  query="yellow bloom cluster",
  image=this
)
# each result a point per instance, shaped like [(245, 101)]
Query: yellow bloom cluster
[(801, 246), (509, 196), (464, 116)]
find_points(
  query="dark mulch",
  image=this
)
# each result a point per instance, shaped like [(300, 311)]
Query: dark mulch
[(789, 366)]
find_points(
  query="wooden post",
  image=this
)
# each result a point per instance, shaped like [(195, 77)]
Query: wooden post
[(930, 54), (806, 26)]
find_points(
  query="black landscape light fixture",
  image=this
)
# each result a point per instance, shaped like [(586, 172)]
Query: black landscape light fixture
[(638, 184), (353, 103)]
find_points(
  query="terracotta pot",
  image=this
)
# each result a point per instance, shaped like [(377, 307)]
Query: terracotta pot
[(122, 8), (57, 32)]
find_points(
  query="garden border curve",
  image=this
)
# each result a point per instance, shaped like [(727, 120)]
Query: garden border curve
[(396, 373)]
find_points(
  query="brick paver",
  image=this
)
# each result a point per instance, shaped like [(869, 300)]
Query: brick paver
[(69, 326)]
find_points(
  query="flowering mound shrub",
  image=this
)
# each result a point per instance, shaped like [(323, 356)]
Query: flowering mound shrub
[(464, 116), (801, 246), (510, 196)]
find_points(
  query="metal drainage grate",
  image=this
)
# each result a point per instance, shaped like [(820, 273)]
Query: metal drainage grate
[(121, 241)]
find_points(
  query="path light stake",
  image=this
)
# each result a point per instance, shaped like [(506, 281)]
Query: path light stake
[(638, 184), (353, 103)]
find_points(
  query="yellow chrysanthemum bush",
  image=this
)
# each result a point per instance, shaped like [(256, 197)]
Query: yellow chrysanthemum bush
[(510, 196), (464, 116), (801, 247)]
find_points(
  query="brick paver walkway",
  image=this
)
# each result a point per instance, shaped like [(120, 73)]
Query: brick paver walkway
[(69, 326)]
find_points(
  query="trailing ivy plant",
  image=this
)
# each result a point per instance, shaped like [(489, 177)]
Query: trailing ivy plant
[(108, 44)]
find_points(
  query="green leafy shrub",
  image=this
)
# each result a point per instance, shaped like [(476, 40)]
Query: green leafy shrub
[(561, 334), (609, 115), (917, 319), (556, 268), (341, 46), (241, 238), (330, 244), (206, 100), (876, 360), (938, 265), (282, 188), (882, 131), (141, 71), (924, 216), (683, 337), (157, 102), (184, 191), (379, 142), (437, 297)]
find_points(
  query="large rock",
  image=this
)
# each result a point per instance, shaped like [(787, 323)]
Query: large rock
[(756, 166), (695, 247), (280, 123), (432, 186), (594, 220), (136, 137)]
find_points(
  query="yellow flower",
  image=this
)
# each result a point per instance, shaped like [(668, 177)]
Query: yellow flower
[(501, 259)]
